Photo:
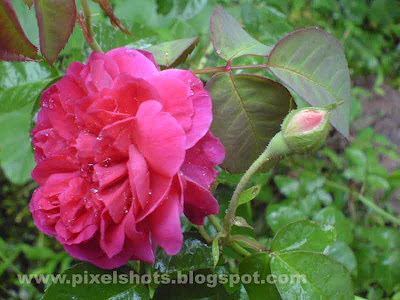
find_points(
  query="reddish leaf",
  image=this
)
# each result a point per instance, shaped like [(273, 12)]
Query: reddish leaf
[(113, 19), (56, 19), (14, 45)]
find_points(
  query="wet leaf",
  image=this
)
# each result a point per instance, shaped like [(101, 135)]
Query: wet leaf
[(321, 277), (230, 40), (304, 235), (22, 85), (259, 262), (343, 254), (241, 222), (195, 254), (56, 20), (170, 54), (387, 270), (249, 194), (312, 63), (335, 217), (87, 289), (248, 111), (14, 45), (280, 215)]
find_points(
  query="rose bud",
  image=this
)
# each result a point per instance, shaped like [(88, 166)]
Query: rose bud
[(304, 130)]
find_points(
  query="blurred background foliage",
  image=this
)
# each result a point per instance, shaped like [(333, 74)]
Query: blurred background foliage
[(325, 187)]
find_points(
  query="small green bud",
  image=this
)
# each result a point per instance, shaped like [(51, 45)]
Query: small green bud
[(305, 130)]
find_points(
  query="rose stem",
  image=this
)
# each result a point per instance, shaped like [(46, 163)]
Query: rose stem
[(91, 40)]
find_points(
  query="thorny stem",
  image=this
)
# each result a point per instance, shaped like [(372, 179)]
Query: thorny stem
[(367, 202), (271, 153), (228, 68), (90, 40)]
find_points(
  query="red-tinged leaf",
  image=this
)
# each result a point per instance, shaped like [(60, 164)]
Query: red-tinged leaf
[(113, 19), (29, 3), (14, 45), (56, 19)]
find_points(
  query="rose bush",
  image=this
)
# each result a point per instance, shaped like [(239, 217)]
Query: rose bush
[(122, 150)]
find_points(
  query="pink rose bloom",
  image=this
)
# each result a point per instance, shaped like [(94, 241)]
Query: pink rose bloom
[(122, 150)]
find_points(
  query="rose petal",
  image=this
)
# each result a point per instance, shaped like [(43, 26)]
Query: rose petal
[(201, 159), (159, 138), (199, 203), (130, 92), (132, 62), (175, 98), (139, 175), (52, 165), (166, 224)]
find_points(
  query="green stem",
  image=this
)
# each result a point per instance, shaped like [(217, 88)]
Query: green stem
[(204, 234), (248, 243), (91, 40), (214, 220), (359, 298), (275, 150), (240, 249), (367, 202), (228, 68), (10, 263)]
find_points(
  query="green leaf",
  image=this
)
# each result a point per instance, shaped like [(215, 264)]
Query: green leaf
[(241, 222), (312, 63), (248, 111), (387, 270), (259, 262), (109, 38), (343, 226), (321, 276), (56, 20), (170, 54), (281, 215), (195, 254), (288, 186), (215, 249), (22, 84), (87, 289), (230, 40), (386, 238), (16, 161), (249, 194), (343, 254), (304, 235), (14, 45), (182, 289)]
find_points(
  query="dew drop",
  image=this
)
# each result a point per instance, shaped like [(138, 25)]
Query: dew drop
[(106, 162)]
